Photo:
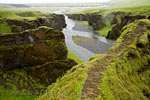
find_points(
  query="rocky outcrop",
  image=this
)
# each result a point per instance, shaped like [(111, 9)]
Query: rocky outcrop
[(23, 24), (78, 17), (57, 22), (112, 17), (116, 30), (39, 55), (114, 33), (95, 20)]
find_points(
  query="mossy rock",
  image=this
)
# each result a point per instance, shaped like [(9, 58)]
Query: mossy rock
[(31, 48), (48, 73), (19, 80)]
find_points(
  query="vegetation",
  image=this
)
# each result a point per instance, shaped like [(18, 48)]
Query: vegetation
[(105, 30), (125, 75), (4, 28), (71, 55), (7, 94)]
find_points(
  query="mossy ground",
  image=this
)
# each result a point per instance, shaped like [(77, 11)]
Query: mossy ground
[(71, 55)]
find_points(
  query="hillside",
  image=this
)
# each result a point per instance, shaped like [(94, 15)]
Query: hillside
[(125, 3), (122, 73)]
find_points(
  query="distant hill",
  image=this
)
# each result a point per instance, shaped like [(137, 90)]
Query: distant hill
[(12, 6), (123, 3), (20, 5)]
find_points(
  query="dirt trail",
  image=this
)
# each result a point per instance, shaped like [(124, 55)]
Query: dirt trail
[(91, 87)]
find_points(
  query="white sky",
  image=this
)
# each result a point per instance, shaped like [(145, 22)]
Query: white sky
[(49, 1)]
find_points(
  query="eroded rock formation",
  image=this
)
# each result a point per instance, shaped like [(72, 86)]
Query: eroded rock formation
[(125, 20), (36, 56)]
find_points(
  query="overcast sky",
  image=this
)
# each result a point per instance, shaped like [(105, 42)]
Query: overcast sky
[(49, 1)]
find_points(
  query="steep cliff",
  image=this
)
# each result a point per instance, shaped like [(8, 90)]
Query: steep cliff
[(28, 20), (120, 74), (33, 59)]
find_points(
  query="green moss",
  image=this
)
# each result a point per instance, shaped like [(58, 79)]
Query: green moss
[(71, 55), (28, 13), (4, 28), (6, 94)]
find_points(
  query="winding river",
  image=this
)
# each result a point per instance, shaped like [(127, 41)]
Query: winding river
[(69, 31)]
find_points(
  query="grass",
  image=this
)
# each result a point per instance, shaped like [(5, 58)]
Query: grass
[(5, 28), (6, 94), (71, 55), (9, 15)]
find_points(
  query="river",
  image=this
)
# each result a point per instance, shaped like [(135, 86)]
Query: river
[(81, 52)]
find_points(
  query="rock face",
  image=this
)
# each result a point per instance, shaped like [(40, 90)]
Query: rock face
[(57, 22), (40, 53), (112, 17), (78, 17), (114, 33), (116, 30), (95, 20)]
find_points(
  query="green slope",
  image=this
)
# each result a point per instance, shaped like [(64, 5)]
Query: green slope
[(122, 73)]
